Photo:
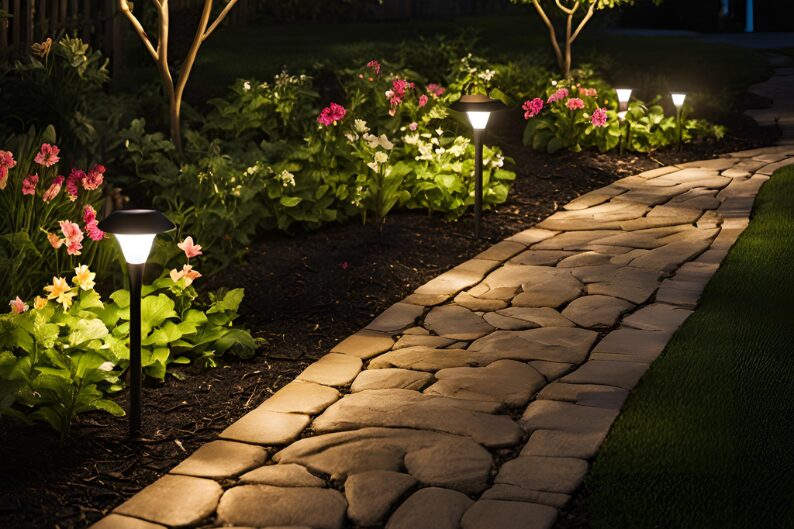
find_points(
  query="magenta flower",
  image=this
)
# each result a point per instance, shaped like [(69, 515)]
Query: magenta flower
[(48, 155), (331, 115), (374, 66), (89, 217), (436, 90), (423, 99), (560, 94), (190, 249), (532, 107), (599, 118), (400, 86), (574, 103), (72, 188), (54, 189), (29, 184), (94, 178)]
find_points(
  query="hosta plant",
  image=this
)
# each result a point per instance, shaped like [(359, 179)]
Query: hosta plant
[(63, 353)]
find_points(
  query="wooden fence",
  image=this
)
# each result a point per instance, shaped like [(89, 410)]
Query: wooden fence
[(98, 22)]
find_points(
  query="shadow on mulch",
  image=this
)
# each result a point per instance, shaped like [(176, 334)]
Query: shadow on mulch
[(304, 293)]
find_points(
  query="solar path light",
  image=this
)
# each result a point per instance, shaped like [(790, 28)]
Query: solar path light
[(135, 230), (478, 108)]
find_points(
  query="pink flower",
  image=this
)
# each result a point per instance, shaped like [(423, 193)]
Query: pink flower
[(190, 249), (599, 118), (7, 159), (187, 273), (574, 103), (29, 184), (560, 94), (331, 114), (400, 86), (72, 188), (413, 126), (89, 217), (3, 177), (73, 237), (94, 178), (18, 306), (589, 92), (436, 90), (532, 107), (48, 155), (374, 66), (423, 99), (344, 265), (54, 189)]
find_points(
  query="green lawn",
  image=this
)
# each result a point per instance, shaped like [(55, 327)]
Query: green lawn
[(707, 438), (650, 64)]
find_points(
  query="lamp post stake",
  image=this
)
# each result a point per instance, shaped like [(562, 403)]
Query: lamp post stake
[(478, 146), (135, 369)]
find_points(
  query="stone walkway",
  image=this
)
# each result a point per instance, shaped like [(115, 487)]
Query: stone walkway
[(477, 401)]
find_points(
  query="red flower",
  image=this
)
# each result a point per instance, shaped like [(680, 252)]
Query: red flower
[(375, 66), (94, 178), (331, 115), (423, 99)]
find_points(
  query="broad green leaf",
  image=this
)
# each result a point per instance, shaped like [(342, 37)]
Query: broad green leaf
[(154, 311), (87, 329)]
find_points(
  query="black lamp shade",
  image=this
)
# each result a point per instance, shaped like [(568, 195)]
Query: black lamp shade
[(136, 222), (477, 103)]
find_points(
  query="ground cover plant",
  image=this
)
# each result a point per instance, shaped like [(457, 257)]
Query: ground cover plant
[(691, 448)]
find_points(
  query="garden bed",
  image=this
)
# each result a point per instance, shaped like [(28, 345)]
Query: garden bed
[(303, 294)]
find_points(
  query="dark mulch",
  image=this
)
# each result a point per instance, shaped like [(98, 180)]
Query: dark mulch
[(303, 294)]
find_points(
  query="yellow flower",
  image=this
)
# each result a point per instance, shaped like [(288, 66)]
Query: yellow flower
[(60, 291), (39, 303), (84, 278)]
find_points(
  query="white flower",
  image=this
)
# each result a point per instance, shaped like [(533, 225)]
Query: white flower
[(441, 150), (439, 131), (389, 94), (107, 366), (381, 157), (247, 86), (351, 137), (374, 166), (286, 178), (411, 139), (486, 75), (385, 143), (360, 126)]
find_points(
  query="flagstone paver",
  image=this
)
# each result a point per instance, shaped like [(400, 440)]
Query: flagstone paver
[(413, 422)]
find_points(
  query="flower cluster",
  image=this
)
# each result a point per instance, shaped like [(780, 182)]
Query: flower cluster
[(374, 66), (91, 224), (574, 103), (599, 118), (187, 275), (48, 155), (331, 115), (559, 95), (532, 107), (435, 90), (396, 96)]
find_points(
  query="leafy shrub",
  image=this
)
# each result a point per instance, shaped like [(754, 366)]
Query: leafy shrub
[(578, 115), (64, 353), (62, 84)]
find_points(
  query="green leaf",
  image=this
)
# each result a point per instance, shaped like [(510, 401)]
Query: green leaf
[(87, 329), (168, 333), (121, 298), (290, 202), (154, 311)]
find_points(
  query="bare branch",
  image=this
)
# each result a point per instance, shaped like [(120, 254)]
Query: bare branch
[(124, 6), (552, 32), (228, 7), (567, 10), (584, 22), (193, 51)]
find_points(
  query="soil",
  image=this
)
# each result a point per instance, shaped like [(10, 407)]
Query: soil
[(303, 294)]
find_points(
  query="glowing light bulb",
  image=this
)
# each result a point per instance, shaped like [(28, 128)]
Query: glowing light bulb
[(678, 100), (478, 120), (135, 247)]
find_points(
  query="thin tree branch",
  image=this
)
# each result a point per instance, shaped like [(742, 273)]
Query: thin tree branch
[(125, 9), (228, 7), (567, 10), (583, 22), (552, 33), (193, 51), (162, 45)]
